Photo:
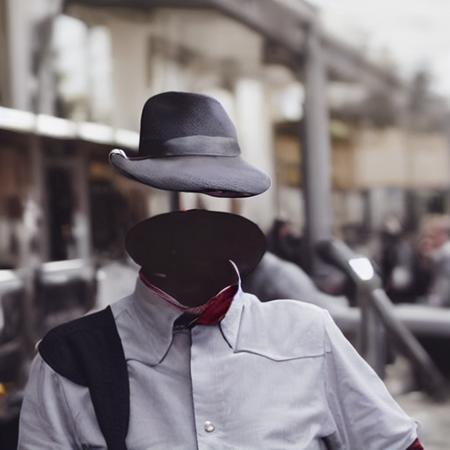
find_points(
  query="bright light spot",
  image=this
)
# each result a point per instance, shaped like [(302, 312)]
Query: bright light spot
[(56, 266), (127, 138), (7, 275), (362, 267), (14, 119), (96, 132), (54, 126)]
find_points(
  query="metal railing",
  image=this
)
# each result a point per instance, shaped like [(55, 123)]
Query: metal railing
[(378, 318)]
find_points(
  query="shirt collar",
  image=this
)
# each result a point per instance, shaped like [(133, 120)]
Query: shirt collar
[(154, 318), (196, 310)]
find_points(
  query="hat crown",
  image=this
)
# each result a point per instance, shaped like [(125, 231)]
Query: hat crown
[(172, 115), (188, 143)]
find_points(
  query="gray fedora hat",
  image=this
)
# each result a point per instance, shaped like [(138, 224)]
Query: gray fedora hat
[(188, 143)]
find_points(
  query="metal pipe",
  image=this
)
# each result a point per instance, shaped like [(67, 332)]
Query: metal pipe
[(372, 334), (361, 271), (316, 159), (431, 377)]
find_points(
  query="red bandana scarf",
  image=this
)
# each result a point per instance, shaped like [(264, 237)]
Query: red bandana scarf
[(416, 445), (210, 313)]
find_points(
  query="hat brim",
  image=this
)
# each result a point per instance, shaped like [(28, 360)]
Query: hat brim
[(219, 176)]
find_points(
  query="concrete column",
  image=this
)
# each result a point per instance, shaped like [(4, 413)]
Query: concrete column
[(45, 96), (129, 47), (256, 141), (29, 28), (35, 221), (35, 237), (316, 148), (18, 48), (82, 214)]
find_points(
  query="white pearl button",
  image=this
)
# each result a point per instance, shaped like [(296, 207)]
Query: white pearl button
[(209, 427)]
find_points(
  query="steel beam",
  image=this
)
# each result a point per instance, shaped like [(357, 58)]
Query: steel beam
[(348, 64), (282, 25), (269, 18), (263, 16)]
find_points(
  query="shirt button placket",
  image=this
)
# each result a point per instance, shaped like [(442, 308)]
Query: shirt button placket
[(204, 390)]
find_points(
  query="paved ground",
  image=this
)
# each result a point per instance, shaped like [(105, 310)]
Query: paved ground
[(434, 418)]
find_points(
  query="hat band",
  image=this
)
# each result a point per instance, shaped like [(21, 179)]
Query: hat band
[(197, 145)]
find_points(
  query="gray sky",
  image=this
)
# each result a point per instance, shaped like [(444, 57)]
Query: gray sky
[(413, 33)]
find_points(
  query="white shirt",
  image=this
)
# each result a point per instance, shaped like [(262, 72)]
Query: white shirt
[(272, 376)]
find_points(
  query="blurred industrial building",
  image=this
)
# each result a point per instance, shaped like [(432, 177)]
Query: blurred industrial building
[(82, 70)]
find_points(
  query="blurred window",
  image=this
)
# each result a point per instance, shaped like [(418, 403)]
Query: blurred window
[(15, 185), (60, 213), (83, 63)]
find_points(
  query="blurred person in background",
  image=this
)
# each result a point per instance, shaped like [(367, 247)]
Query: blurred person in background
[(396, 259), (285, 245), (284, 242), (434, 251)]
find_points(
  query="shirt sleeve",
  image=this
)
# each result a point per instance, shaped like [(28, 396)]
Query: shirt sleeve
[(45, 420), (364, 413)]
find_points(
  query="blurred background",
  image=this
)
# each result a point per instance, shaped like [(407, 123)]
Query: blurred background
[(344, 104)]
